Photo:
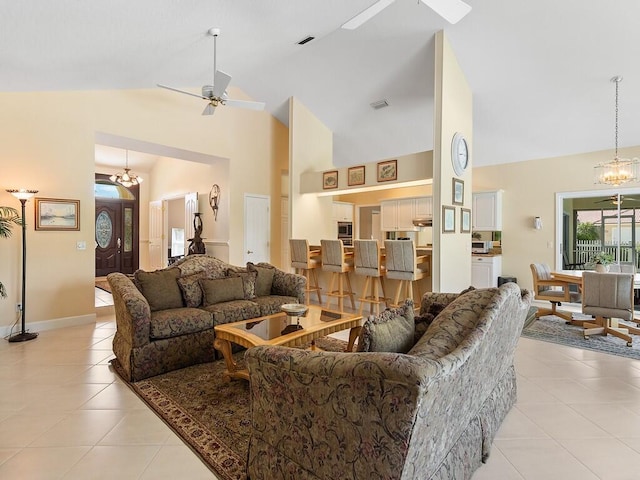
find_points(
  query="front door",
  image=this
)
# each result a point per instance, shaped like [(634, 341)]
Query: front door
[(116, 223)]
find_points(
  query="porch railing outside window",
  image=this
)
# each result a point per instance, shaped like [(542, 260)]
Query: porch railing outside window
[(585, 249)]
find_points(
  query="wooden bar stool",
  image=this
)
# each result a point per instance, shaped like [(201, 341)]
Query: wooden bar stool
[(403, 264), (336, 261), (367, 262), (306, 262)]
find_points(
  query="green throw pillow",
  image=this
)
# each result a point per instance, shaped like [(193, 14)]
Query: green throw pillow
[(216, 290), (264, 279), (391, 331), (191, 291), (160, 288)]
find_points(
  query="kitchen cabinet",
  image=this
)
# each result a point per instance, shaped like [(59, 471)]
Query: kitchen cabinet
[(487, 211), (485, 270), (343, 211), (399, 214)]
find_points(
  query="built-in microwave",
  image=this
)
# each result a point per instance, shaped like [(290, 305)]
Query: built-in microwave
[(481, 246), (345, 229)]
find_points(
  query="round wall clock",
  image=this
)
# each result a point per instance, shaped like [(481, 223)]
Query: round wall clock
[(459, 154)]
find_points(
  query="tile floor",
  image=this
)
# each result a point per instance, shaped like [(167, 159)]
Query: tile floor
[(65, 415)]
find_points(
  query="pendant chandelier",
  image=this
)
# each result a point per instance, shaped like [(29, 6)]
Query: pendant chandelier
[(126, 178), (619, 170)]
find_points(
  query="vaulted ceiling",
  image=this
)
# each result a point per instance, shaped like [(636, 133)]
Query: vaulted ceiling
[(539, 71)]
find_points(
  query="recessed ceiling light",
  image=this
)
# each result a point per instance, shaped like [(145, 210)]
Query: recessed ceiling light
[(380, 104)]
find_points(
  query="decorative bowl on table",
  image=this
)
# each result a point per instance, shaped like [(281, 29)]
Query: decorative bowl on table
[(294, 309)]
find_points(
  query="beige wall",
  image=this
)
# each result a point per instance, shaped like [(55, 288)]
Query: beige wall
[(47, 143), (453, 113), (530, 190)]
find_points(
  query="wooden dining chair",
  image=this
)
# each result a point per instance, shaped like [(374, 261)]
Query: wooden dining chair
[(553, 290)]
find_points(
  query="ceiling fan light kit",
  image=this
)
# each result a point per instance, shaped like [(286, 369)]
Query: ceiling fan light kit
[(619, 170), (451, 10), (216, 93)]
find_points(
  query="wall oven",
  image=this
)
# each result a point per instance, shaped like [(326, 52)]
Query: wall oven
[(345, 232)]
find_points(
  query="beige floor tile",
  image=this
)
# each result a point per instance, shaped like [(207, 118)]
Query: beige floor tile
[(174, 462), (42, 463), (617, 419), (113, 463), (21, 429), (138, 427), (7, 453), (539, 459), (64, 398), (115, 396), (497, 467), (518, 425), (81, 427), (529, 392), (608, 458), (560, 421), (609, 389)]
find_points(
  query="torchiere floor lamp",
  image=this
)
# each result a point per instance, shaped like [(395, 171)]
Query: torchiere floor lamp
[(23, 196)]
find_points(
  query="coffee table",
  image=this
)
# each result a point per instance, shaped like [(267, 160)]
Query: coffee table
[(268, 330)]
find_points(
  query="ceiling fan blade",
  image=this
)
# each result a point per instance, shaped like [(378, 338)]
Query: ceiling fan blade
[(367, 14), (181, 91), (209, 110), (221, 81), (245, 104), (451, 10)]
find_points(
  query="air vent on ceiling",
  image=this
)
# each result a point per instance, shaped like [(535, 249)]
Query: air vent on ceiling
[(306, 40), (379, 104)]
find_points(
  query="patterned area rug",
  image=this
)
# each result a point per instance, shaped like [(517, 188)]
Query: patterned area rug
[(555, 330), (210, 414)]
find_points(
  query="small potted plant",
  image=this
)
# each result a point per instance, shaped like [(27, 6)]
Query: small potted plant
[(8, 218), (601, 261)]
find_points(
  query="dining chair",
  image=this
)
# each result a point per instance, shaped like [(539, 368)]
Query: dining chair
[(306, 262), (367, 262), (401, 263), (554, 290), (608, 297), (339, 263), (569, 265)]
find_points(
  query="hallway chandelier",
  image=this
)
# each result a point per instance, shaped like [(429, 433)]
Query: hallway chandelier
[(126, 178), (618, 170)]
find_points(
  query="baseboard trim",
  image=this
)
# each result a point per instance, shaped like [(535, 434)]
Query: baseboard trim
[(53, 324)]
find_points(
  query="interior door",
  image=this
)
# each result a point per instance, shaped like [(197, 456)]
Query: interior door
[(256, 228), (156, 225)]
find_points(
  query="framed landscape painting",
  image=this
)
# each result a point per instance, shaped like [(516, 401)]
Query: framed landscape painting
[(330, 179), (388, 171), (458, 192), (448, 219), (355, 176), (465, 220), (57, 214)]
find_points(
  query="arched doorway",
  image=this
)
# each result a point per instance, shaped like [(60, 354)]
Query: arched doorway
[(116, 221)]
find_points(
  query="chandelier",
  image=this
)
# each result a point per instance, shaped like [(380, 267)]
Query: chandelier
[(618, 170), (126, 178)]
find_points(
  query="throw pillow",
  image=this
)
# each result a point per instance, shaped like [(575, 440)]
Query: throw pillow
[(248, 284), (470, 288), (191, 291), (391, 331), (160, 288), (216, 290), (264, 279), (422, 322)]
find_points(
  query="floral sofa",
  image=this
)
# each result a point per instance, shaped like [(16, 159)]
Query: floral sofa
[(431, 413), (165, 319)]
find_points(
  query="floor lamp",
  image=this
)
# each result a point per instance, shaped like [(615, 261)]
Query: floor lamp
[(23, 196)]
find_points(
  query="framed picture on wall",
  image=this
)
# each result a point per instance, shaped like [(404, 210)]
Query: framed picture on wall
[(448, 219), (458, 192), (330, 180), (388, 171), (57, 214), (355, 176), (465, 220)]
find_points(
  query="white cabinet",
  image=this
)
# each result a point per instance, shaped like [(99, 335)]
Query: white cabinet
[(485, 271), (487, 211), (343, 211), (399, 214)]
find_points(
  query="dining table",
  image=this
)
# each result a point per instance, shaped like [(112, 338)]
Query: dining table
[(575, 277)]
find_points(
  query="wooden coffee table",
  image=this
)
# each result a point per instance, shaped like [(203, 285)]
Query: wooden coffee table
[(268, 330)]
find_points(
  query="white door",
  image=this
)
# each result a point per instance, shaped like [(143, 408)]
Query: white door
[(156, 225), (190, 207), (256, 228)]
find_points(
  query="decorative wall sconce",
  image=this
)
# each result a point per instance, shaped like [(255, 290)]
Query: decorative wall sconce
[(214, 199), (537, 223)]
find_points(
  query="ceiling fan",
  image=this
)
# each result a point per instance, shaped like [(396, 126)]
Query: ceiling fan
[(451, 10), (216, 93), (614, 199)]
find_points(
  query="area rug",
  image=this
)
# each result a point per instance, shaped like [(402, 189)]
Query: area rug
[(210, 414), (103, 285), (555, 330)]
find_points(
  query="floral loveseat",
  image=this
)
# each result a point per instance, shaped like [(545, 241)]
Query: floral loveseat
[(429, 414), (165, 318)]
